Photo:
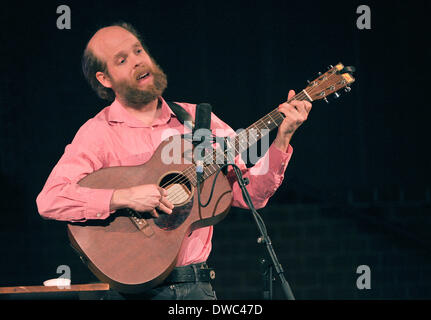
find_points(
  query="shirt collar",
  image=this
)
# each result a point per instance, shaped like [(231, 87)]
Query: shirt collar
[(117, 113)]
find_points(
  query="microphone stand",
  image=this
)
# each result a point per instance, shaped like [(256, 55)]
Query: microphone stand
[(264, 239), (266, 266)]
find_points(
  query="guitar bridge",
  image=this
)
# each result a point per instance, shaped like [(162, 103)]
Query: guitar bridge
[(141, 223)]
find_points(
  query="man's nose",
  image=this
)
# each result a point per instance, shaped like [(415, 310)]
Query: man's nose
[(138, 61)]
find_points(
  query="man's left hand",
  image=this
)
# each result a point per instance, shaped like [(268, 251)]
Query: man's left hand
[(296, 112)]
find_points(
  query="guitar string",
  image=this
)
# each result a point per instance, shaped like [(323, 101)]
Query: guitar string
[(274, 117)]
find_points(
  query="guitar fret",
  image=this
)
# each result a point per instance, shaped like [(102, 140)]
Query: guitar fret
[(252, 138), (244, 142), (269, 115), (208, 170), (264, 123), (308, 96)]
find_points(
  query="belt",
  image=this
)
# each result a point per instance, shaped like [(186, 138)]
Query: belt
[(199, 272)]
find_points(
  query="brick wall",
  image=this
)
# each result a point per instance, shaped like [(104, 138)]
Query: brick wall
[(320, 249)]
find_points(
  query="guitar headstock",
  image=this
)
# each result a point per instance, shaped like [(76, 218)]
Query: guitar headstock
[(332, 81)]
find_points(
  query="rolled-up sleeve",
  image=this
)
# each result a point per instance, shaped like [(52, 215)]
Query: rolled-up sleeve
[(265, 177)]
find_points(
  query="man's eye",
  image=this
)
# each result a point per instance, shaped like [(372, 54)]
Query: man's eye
[(122, 61), (138, 51)]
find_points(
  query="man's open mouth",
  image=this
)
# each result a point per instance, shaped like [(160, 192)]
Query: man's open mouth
[(142, 76)]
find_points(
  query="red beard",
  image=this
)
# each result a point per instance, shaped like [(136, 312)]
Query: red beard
[(136, 97)]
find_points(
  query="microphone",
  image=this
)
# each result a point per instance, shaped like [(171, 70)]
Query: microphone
[(201, 136)]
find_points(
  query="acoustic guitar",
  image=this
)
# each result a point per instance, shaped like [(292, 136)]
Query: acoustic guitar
[(134, 251)]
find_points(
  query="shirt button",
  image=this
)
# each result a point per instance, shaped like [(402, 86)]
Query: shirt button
[(98, 214)]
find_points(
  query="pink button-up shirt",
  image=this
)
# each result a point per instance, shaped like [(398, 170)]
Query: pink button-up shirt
[(116, 138)]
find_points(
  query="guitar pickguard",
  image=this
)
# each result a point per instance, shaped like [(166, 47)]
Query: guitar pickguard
[(176, 218)]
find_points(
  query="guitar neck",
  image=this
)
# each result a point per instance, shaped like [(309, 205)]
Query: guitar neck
[(246, 138), (333, 80), (243, 141)]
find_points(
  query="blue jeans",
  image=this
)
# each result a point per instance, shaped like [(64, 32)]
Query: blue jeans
[(177, 291)]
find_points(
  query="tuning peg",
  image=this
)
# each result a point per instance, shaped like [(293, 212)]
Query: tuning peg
[(319, 73), (308, 81), (326, 100), (330, 67), (347, 89), (337, 95)]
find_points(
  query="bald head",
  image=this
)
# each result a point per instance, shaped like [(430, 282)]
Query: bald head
[(108, 41)]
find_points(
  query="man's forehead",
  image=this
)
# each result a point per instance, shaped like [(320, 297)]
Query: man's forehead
[(110, 40)]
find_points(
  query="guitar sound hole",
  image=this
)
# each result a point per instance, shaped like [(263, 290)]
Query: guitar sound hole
[(178, 187), (180, 193)]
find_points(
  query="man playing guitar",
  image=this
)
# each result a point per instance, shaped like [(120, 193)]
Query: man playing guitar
[(119, 67)]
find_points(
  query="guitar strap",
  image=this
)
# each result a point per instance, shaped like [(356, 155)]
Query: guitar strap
[(182, 115)]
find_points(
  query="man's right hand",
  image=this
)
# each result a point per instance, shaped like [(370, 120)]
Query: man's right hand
[(143, 198)]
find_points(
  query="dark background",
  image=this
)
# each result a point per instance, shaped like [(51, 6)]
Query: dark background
[(357, 189)]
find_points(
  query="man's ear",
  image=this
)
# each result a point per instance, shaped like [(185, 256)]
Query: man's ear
[(103, 79)]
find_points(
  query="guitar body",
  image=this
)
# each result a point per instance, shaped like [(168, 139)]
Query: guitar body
[(133, 253)]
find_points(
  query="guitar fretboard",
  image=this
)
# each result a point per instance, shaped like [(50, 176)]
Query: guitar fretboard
[(241, 142)]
